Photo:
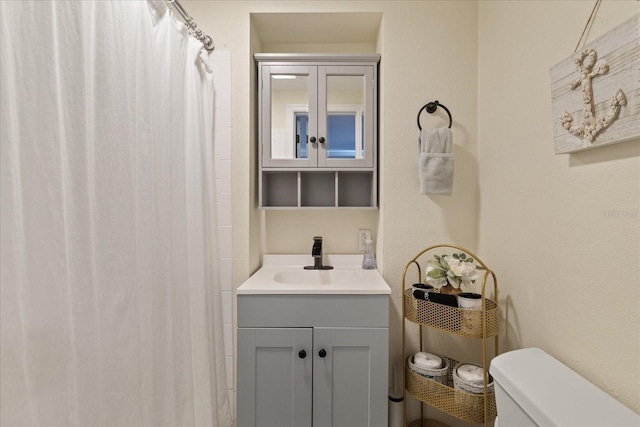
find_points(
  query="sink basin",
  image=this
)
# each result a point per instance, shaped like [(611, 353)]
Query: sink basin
[(285, 274), (313, 277)]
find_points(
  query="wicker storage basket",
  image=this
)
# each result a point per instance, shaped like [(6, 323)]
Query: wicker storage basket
[(468, 387), (467, 392), (439, 375)]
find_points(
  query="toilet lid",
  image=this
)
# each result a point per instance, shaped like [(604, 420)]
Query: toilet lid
[(554, 395)]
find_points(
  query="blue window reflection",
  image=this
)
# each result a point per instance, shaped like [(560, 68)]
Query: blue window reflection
[(301, 135), (341, 135)]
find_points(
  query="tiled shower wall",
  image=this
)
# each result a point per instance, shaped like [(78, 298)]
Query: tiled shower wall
[(221, 61)]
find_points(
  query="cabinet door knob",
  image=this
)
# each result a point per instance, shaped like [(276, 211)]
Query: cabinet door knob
[(322, 140), (322, 353), (312, 139), (302, 354)]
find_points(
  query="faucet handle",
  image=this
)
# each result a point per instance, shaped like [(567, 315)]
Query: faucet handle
[(316, 253), (316, 249)]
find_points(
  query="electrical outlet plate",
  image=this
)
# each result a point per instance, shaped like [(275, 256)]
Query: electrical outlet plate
[(364, 234)]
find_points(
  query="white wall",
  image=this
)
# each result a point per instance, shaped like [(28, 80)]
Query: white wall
[(430, 53), (535, 218), (568, 268)]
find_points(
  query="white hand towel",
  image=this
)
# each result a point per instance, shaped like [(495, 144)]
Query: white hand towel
[(435, 140), (435, 165)]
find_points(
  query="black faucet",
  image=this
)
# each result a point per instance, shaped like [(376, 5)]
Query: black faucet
[(316, 253)]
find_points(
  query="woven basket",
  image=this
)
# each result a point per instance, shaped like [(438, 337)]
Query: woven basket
[(467, 387), (438, 375), (468, 394)]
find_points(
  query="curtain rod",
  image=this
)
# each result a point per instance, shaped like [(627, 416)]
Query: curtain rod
[(191, 25)]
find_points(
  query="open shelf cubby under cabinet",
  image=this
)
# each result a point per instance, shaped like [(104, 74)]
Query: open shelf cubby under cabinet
[(287, 189), (475, 325)]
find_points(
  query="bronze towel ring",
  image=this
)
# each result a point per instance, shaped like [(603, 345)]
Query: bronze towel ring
[(431, 108)]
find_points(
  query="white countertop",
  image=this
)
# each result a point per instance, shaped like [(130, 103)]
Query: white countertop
[(285, 274)]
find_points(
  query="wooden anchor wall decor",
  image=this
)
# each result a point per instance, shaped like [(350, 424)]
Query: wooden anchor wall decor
[(596, 92)]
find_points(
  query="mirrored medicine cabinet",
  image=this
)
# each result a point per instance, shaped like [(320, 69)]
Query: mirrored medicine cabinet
[(317, 130)]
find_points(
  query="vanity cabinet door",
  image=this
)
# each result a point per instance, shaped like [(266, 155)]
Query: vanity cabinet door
[(350, 371), (274, 377)]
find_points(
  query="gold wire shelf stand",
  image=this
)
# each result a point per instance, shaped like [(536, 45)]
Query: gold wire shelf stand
[(481, 324)]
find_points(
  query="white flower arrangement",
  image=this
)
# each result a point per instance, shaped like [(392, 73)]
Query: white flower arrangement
[(456, 269)]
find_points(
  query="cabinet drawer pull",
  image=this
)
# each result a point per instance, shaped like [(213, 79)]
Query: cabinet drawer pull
[(313, 139), (302, 354), (321, 140), (322, 353)]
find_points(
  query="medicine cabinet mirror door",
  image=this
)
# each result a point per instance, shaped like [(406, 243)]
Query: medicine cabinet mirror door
[(288, 99), (317, 116), (345, 116)]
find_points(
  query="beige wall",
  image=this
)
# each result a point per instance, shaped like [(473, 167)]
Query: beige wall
[(562, 232), (535, 218)]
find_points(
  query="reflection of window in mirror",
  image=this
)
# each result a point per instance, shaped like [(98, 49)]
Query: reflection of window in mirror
[(344, 135), (345, 131), (301, 136), (345, 99)]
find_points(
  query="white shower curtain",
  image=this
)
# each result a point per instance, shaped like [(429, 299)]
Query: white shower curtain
[(110, 292)]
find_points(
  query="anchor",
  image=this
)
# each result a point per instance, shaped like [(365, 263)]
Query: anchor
[(590, 126)]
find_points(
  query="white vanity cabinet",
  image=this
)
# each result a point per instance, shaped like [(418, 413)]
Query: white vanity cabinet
[(317, 130), (312, 360)]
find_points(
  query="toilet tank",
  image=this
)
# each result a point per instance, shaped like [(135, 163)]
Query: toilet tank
[(534, 389)]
